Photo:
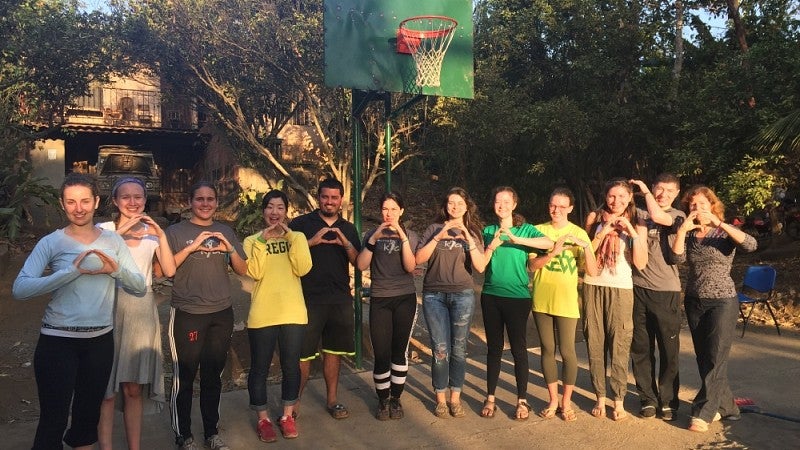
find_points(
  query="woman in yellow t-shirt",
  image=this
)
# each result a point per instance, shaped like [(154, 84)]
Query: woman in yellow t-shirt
[(555, 298)]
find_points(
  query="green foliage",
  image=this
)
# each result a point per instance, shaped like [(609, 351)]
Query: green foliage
[(20, 194), (251, 217), (55, 50), (751, 185)]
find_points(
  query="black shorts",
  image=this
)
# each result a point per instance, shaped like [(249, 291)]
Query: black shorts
[(335, 325)]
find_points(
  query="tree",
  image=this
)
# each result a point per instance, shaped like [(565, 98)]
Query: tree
[(252, 64), (50, 53)]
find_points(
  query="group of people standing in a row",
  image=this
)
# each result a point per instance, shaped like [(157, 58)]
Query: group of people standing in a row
[(100, 342)]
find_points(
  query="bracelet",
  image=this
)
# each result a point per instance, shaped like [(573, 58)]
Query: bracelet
[(404, 241), (348, 246), (435, 240), (370, 247)]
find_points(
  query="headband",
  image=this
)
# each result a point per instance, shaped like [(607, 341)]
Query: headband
[(124, 180)]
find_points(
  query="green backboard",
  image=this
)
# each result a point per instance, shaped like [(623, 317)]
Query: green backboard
[(361, 46)]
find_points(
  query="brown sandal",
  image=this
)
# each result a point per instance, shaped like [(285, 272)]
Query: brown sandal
[(489, 409), (523, 411), (569, 415)]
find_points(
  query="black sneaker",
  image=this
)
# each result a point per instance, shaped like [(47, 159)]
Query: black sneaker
[(648, 411), (667, 414), (395, 408), (383, 409)]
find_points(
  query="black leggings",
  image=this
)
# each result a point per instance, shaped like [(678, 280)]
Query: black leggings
[(198, 340), (512, 315), (390, 322), (547, 324), (71, 370)]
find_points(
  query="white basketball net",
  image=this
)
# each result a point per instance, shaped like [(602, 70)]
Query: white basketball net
[(428, 38)]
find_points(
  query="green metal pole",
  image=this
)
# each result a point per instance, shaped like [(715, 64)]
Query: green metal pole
[(356, 118)]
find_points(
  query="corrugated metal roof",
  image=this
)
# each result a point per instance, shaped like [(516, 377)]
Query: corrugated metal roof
[(124, 130)]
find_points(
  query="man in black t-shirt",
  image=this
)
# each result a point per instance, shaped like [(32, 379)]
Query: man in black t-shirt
[(334, 244)]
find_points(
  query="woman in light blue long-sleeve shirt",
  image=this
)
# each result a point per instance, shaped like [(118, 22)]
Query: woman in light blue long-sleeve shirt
[(75, 351)]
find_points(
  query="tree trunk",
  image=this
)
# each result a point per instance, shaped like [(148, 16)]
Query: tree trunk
[(677, 67)]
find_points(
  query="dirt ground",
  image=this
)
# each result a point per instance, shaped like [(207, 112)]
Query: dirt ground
[(19, 325)]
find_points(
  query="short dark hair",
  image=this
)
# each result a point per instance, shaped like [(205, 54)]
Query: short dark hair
[(667, 178), (202, 184), (275, 193), (79, 179), (563, 192), (330, 183)]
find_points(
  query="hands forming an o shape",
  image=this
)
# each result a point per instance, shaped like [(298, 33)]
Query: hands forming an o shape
[(108, 264)]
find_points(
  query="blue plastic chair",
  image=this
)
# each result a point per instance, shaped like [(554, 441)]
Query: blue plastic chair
[(760, 279)]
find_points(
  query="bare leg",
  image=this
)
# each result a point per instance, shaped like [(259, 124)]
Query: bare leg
[(552, 391), (106, 425), (330, 371), (455, 397), (133, 414), (566, 399)]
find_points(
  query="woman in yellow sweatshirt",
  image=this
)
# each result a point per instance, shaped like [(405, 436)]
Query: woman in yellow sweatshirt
[(276, 259)]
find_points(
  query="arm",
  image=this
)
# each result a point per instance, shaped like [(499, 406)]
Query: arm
[(639, 250), (30, 282), (127, 272), (590, 261), (406, 252), (679, 245), (425, 251), (299, 253), (255, 249), (538, 262), (658, 215), (166, 260), (476, 253), (365, 256)]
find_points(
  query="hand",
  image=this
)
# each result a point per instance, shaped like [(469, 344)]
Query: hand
[(208, 241), (623, 224), (444, 232), (690, 223), (107, 264), (558, 247), (276, 230), (341, 239), (156, 229), (227, 247), (579, 242), (642, 186), (126, 223)]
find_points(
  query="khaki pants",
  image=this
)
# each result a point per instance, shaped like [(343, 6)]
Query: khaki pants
[(608, 325)]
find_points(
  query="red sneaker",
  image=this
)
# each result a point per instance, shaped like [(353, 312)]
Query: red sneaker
[(288, 427), (265, 431)]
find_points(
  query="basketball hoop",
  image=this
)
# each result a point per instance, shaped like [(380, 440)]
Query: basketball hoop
[(426, 39)]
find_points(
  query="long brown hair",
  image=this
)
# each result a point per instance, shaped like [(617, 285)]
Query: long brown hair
[(630, 211), (472, 220)]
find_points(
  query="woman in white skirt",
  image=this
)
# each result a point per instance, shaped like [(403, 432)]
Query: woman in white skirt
[(136, 384)]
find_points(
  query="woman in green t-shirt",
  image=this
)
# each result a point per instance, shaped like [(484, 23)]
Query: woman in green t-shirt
[(506, 299)]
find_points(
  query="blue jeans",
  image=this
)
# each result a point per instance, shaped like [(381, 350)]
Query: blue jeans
[(289, 338), (448, 316)]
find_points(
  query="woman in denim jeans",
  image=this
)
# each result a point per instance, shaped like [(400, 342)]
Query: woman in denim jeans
[(276, 259), (452, 247)]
